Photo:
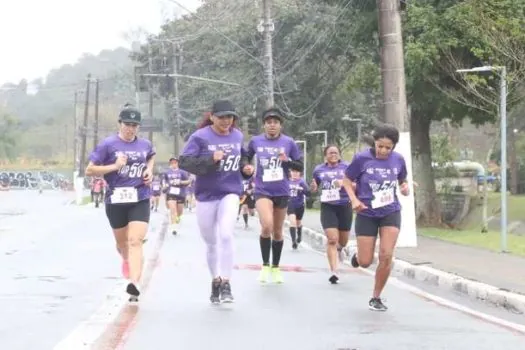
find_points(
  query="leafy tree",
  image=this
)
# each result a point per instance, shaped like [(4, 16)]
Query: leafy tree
[(8, 136)]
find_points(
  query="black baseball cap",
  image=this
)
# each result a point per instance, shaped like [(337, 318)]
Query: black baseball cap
[(223, 108), (273, 113), (130, 115)]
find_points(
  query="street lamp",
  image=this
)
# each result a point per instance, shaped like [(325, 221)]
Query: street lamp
[(503, 144), (303, 142), (359, 122), (324, 132)]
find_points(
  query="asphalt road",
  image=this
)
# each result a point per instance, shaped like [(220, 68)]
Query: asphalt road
[(59, 265)]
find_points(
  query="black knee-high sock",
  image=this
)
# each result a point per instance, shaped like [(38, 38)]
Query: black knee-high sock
[(239, 212), (245, 217), (277, 248), (293, 234), (266, 246), (299, 234)]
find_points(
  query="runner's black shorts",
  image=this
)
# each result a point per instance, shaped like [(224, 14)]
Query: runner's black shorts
[(336, 216), (178, 199), (369, 226), (120, 215), (280, 202), (250, 202), (297, 211)]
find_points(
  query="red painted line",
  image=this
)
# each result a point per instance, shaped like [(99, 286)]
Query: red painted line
[(116, 335)]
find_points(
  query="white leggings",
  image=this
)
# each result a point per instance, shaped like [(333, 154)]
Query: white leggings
[(216, 221)]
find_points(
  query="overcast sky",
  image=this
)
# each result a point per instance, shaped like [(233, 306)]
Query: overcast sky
[(39, 35)]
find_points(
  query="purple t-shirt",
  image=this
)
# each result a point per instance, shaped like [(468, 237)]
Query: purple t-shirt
[(326, 177), (156, 186), (228, 179), (377, 180), (298, 190), (271, 178), (130, 175), (172, 178)]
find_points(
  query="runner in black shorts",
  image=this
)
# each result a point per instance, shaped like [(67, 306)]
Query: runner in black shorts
[(298, 190), (336, 212), (247, 202), (126, 162), (276, 154), (371, 181)]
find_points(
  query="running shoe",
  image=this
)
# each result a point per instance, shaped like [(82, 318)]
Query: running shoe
[(375, 304), (276, 275), (226, 292), (215, 292), (264, 274)]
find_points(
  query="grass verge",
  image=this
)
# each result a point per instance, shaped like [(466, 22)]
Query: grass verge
[(474, 238)]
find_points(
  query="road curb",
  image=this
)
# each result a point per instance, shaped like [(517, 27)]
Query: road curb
[(475, 290)]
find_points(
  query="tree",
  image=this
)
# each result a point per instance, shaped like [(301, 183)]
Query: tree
[(8, 136)]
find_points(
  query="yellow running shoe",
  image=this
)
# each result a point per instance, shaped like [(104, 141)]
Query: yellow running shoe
[(264, 274), (276, 275)]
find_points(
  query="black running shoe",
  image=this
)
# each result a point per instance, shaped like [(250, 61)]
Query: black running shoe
[(132, 290), (333, 279), (375, 304), (226, 292), (215, 292), (294, 245), (354, 261)]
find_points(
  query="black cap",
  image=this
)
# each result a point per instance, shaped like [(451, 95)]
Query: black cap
[(273, 113), (130, 115), (223, 108)]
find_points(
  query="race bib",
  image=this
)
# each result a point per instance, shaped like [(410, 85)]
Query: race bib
[(175, 182), (383, 198), (174, 191), (124, 195), (271, 175), (156, 188), (330, 195)]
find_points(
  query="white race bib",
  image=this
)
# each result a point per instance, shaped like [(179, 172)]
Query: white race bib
[(383, 198), (330, 195), (271, 175), (124, 195), (156, 188), (174, 191)]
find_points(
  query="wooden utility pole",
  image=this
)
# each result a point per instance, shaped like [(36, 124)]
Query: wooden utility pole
[(95, 124), (268, 28), (150, 112), (395, 110), (75, 131), (83, 145)]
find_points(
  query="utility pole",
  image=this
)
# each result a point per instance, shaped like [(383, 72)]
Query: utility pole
[(75, 131), (392, 64), (176, 103), (268, 28), (83, 145), (150, 112), (95, 126)]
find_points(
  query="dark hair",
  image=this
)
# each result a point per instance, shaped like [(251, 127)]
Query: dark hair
[(330, 146), (206, 121), (386, 131), (273, 112)]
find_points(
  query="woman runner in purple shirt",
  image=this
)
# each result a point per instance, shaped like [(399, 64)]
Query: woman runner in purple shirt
[(214, 154), (377, 173), (126, 161), (276, 155)]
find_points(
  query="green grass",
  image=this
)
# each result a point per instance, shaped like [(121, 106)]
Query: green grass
[(474, 238), (515, 205)]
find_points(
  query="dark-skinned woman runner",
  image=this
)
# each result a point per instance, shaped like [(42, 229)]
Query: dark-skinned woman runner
[(371, 181), (336, 211), (276, 154)]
